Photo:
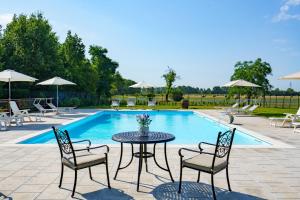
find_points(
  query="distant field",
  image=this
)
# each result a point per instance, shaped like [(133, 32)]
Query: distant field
[(220, 100)]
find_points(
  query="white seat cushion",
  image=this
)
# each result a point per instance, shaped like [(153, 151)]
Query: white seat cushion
[(84, 159), (204, 162)]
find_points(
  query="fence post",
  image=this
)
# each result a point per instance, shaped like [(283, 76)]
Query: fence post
[(276, 101), (298, 101), (283, 102)]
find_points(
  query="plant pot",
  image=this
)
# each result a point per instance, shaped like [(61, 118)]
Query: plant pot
[(144, 131), (185, 104)]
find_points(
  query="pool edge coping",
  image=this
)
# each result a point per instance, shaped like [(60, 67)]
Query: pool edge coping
[(273, 142)]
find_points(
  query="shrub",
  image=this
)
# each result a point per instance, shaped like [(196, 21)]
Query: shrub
[(177, 95)]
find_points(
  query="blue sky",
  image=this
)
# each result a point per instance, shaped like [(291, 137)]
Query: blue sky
[(200, 39)]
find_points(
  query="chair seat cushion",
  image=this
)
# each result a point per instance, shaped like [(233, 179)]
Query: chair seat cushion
[(84, 159), (204, 162)]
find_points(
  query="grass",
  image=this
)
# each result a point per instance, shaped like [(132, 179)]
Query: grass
[(274, 112)]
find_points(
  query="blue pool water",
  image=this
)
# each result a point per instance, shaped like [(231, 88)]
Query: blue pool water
[(187, 126)]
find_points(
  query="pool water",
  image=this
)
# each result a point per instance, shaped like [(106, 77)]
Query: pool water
[(187, 126)]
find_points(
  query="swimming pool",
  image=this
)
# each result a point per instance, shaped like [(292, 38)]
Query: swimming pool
[(188, 127)]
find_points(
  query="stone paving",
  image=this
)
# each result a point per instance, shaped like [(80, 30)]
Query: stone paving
[(32, 172)]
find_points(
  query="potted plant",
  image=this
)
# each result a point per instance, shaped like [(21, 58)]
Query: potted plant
[(185, 103), (144, 122)]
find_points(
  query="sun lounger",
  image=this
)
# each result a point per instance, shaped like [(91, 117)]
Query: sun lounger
[(246, 111), (60, 109), (152, 102), (288, 119), (115, 103), (5, 120), (130, 102), (42, 109), (17, 113)]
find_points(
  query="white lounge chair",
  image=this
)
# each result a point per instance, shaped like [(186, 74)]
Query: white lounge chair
[(60, 109), (288, 119), (5, 120), (248, 111), (17, 113), (42, 109), (130, 102), (115, 103), (152, 102), (233, 111)]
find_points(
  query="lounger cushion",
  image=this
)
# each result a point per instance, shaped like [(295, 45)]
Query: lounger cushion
[(84, 159), (204, 162)]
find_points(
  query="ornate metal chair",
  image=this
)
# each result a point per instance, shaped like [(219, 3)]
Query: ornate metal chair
[(209, 162), (77, 159)]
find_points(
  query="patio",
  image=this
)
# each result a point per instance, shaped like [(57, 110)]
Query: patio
[(32, 172)]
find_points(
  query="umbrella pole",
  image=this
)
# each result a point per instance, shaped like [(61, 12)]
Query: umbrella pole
[(57, 97), (9, 97)]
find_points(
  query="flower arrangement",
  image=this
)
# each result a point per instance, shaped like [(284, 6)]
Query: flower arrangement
[(143, 120)]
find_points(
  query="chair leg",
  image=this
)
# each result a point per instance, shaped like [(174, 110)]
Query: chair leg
[(180, 176), (198, 179), (227, 176), (74, 186), (213, 187), (107, 174), (61, 175), (90, 171)]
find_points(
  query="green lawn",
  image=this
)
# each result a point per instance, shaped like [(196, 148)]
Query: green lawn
[(274, 112)]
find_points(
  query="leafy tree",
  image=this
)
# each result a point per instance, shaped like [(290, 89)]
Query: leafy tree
[(106, 69), (30, 46), (170, 77), (77, 68), (254, 72)]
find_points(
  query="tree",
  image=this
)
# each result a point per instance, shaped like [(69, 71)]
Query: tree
[(76, 67), (31, 47), (170, 77), (254, 72), (106, 69)]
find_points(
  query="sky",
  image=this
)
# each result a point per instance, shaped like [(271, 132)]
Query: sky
[(200, 39)]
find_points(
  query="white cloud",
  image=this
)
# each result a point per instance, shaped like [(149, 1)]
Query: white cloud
[(5, 18), (284, 11)]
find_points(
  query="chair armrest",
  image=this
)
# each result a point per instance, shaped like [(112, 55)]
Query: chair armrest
[(201, 149), (191, 150), (24, 111), (96, 147), (79, 141)]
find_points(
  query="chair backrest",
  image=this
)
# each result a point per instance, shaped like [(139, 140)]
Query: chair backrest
[(51, 105), (223, 145), (14, 107), (130, 101), (235, 105), (298, 112), (64, 143), (253, 108), (245, 107), (115, 102), (39, 107)]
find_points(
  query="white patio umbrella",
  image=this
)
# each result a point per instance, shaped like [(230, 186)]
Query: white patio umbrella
[(141, 84), (240, 83), (294, 76), (13, 76), (56, 81)]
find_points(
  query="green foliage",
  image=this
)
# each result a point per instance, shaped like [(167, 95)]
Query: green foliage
[(254, 72), (74, 102), (106, 69), (177, 94), (170, 77), (77, 68), (31, 47)]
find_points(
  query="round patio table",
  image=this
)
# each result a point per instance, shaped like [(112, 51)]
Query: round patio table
[(133, 137)]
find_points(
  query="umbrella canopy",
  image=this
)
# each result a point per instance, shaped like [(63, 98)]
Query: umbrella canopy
[(141, 84), (240, 83), (294, 76), (13, 76), (56, 81)]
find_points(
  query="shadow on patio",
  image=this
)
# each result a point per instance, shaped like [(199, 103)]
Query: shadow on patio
[(193, 190), (112, 194)]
